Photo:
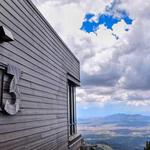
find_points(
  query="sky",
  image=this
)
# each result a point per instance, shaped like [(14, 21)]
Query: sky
[(111, 38)]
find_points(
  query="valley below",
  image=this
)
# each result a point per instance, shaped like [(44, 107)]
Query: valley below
[(120, 131)]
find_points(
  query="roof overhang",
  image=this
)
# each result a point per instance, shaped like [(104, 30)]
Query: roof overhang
[(73, 79)]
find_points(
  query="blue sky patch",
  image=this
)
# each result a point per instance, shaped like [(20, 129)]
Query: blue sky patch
[(109, 18), (89, 16), (89, 25)]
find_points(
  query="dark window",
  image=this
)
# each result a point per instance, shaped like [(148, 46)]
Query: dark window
[(72, 108)]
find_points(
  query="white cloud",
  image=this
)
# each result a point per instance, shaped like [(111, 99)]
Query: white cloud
[(106, 63), (139, 103), (87, 96)]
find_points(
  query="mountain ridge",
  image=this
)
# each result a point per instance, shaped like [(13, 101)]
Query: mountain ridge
[(117, 130), (117, 114), (135, 120)]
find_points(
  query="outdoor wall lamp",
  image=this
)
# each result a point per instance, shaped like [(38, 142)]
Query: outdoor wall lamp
[(5, 35)]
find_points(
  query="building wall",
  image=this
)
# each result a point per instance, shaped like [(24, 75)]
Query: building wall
[(44, 60)]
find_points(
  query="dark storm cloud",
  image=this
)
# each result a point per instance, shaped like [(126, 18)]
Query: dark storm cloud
[(137, 75), (138, 96), (135, 57), (101, 79)]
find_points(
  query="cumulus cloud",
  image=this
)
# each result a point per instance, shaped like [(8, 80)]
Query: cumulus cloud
[(111, 70), (98, 96)]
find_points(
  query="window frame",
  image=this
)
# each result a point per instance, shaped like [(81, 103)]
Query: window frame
[(72, 120)]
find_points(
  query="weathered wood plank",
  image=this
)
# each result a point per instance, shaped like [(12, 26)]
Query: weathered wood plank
[(33, 72), (22, 133), (32, 140), (50, 144), (44, 61), (6, 119), (22, 31), (58, 52), (41, 105), (53, 35), (54, 144), (31, 63), (28, 125), (24, 28), (42, 111)]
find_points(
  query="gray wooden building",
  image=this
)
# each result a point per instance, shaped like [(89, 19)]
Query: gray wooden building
[(38, 77)]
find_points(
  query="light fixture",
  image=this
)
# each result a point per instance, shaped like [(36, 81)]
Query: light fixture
[(5, 35)]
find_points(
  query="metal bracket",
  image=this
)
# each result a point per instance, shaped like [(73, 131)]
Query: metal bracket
[(5, 35)]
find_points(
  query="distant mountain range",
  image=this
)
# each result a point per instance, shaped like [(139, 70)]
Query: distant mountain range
[(120, 119), (119, 131)]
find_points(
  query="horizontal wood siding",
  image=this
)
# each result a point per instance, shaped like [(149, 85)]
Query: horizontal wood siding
[(44, 60)]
